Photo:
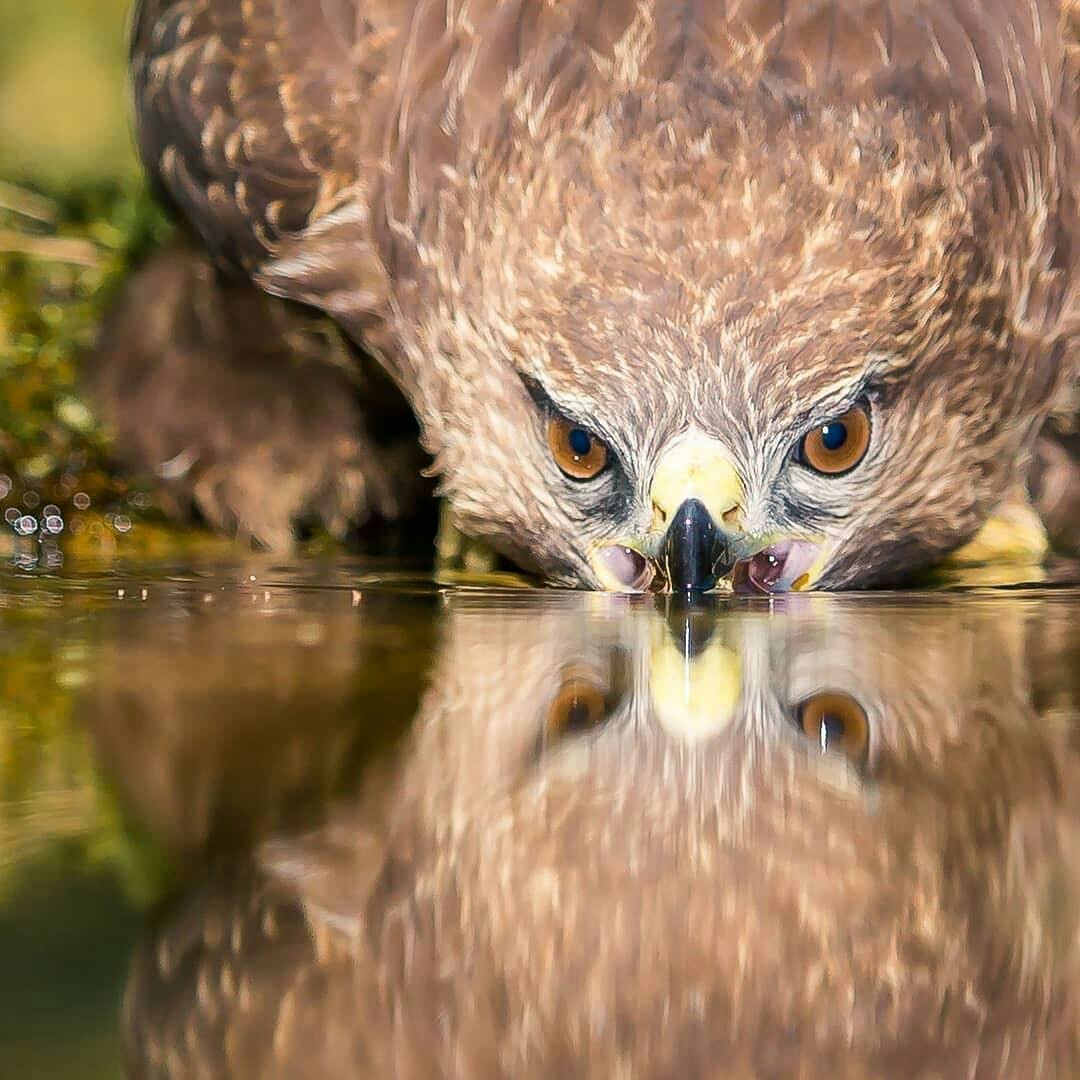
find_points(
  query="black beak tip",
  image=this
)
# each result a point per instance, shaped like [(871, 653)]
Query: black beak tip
[(694, 549)]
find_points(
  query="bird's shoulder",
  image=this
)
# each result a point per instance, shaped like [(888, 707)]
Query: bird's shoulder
[(253, 116)]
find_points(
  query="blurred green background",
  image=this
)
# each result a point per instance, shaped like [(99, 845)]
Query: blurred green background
[(63, 99)]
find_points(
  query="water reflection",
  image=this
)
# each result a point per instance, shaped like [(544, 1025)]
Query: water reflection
[(224, 713), (838, 838)]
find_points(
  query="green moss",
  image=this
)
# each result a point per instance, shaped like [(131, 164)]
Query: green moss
[(56, 279), (63, 255)]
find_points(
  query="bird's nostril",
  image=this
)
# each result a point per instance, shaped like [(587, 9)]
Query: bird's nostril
[(733, 517), (660, 513)]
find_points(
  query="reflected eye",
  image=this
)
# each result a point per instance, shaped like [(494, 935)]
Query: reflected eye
[(578, 452), (579, 707), (838, 446), (837, 723)]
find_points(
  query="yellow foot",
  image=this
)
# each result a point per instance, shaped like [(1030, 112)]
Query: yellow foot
[(1014, 534)]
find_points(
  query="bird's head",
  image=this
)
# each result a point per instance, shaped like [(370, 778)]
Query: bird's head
[(686, 341)]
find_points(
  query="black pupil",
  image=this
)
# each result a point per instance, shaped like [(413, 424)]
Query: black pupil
[(834, 435), (578, 715), (831, 730), (580, 441)]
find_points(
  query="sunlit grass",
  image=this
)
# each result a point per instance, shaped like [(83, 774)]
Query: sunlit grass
[(64, 253)]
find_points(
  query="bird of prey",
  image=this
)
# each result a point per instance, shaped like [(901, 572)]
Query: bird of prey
[(768, 852), (680, 292)]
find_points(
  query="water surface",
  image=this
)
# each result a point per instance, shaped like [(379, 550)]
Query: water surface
[(262, 820)]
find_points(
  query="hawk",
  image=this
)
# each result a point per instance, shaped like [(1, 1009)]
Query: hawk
[(680, 293)]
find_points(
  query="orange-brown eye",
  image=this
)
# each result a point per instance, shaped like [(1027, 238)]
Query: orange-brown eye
[(836, 723), (579, 706), (579, 453), (838, 446)]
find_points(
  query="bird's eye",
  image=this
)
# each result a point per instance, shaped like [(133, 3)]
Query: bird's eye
[(838, 446), (579, 707), (836, 723), (578, 452)]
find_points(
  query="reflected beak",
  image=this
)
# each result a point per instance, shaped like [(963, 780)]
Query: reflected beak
[(694, 697), (696, 492)]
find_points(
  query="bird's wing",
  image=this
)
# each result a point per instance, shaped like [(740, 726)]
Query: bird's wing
[(255, 119)]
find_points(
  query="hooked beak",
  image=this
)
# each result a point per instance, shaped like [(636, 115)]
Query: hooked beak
[(696, 492), (695, 552)]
